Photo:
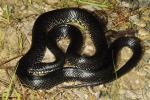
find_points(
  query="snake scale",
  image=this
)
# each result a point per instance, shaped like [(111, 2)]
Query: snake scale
[(90, 70)]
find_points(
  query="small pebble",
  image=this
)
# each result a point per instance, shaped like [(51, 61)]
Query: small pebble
[(137, 81), (88, 7), (143, 34), (51, 1)]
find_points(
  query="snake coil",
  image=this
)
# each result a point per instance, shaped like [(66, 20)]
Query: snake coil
[(91, 70)]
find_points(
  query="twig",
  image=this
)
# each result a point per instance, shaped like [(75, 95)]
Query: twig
[(4, 82), (7, 61), (6, 67)]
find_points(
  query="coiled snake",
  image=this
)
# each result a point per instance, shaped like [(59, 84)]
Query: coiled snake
[(91, 70)]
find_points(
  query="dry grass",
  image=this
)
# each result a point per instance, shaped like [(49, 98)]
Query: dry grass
[(16, 21)]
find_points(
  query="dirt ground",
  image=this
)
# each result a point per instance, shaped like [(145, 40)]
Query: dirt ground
[(16, 21)]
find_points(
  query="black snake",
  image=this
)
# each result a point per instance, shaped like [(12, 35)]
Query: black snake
[(91, 70)]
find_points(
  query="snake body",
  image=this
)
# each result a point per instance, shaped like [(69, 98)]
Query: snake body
[(91, 70)]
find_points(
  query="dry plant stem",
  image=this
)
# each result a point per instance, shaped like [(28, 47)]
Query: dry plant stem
[(9, 98), (4, 82), (9, 60), (6, 67)]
